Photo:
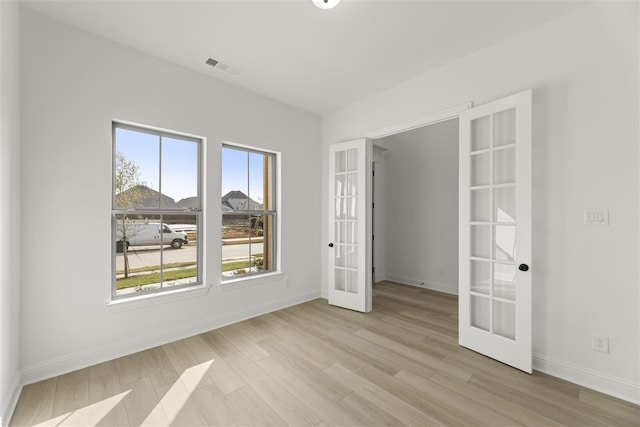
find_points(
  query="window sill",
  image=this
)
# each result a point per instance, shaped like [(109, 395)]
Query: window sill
[(149, 300), (243, 282)]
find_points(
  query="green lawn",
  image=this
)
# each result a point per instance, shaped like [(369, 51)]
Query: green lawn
[(170, 265), (181, 273), (147, 279)]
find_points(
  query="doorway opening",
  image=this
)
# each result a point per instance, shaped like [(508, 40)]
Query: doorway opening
[(415, 207)]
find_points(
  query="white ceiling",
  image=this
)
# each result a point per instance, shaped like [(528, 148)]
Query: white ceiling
[(291, 51)]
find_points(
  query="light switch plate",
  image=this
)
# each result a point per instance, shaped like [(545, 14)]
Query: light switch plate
[(599, 216)]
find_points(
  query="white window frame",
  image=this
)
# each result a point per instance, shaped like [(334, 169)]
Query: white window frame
[(198, 213), (276, 273)]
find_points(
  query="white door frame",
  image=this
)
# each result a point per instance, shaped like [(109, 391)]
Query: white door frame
[(418, 122)]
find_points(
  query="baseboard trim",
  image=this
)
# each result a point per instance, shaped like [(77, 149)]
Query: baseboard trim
[(434, 286), (597, 381), (72, 362), (15, 389)]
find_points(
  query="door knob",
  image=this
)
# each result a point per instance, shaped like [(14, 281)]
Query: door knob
[(330, 245), (523, 267)]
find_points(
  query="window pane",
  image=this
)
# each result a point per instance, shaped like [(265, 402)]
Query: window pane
[(504, 201), (480, 133), (341, 161), (161, 251), (504, 127), (480, 169), (504, 283), (138, 262), (352, 207), (480, 312), (351, 281), (179, 174), (235, 184), (480, 276), (480, 244), (257, 180), (180, 250), (505, 243), (137, 169), (236, 245), (340, 279), (504, 319), (346, 232), (480, 210), (504, 166)]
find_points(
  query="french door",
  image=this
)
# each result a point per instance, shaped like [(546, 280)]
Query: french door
[(495, 230), (349, 243)]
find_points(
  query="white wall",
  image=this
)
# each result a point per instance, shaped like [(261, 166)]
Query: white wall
[(73, 85), (583, 69), (380, 204), (421, 196), (9, 208)]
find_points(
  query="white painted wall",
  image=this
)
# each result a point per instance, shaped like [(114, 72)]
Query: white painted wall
[(379, 199), (583, 69), (73, 85), (421, 196), (9, 208)]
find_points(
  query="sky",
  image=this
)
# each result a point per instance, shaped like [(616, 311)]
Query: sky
[(235, 164), (179, 165)]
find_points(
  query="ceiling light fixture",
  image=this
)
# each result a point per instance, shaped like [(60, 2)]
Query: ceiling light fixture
[(325, 4)]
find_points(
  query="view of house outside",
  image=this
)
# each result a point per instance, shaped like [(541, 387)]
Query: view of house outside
[(242, 246)]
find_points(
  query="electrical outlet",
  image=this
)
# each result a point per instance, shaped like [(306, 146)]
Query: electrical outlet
[(600, 343)]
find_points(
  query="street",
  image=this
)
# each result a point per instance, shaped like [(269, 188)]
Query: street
[(147, 256)]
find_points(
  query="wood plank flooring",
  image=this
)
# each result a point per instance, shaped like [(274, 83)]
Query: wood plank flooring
[(317, 365)]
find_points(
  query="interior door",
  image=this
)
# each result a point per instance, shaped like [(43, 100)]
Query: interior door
[(495, 230), (349, 225)]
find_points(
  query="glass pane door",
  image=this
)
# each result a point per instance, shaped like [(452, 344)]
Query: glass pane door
[(346, 218), (348, 254), (495, 230), (493, 223)]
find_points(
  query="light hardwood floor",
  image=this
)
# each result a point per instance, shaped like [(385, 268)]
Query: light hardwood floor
[(317, 365)]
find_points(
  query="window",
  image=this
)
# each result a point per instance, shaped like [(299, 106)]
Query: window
[(156, 210), (249, 215)]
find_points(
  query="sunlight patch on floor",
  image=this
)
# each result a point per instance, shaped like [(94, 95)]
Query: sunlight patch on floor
[(175, 398), (88, 415)]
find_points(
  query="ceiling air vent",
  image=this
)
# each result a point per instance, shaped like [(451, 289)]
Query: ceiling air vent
[(222, 66)]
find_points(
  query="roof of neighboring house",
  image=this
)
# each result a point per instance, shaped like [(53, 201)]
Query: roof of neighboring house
[(189, 203), (142, 196), (237, 200)]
